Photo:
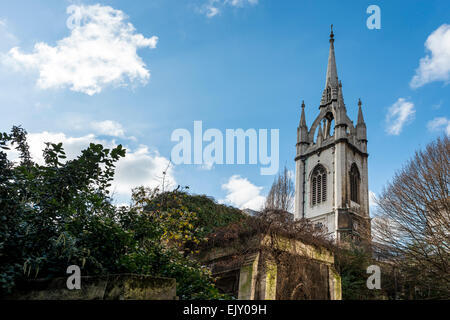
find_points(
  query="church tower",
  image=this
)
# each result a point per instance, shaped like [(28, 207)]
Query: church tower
[(331, 188)]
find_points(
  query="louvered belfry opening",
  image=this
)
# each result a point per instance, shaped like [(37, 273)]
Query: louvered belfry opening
[(318, 185)]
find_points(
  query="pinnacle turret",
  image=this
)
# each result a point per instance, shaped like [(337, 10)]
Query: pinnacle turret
[(360, 114), (361, 130), (302, 118), (302, 130)]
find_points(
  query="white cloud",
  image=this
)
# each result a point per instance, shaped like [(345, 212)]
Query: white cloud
[(240, 3), (108, 128), (5, 33), (139, 167), (399, 114), (211, 11), (72, 145), (83, 123), (101, 50), (142, 167), (439, 124), (436, 65), (243, 194), (213, 7)]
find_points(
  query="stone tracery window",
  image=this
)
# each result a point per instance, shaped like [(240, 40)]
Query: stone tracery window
[(318, 185), (354, 183)]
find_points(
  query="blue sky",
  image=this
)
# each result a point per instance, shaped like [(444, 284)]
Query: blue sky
[(231, 64)]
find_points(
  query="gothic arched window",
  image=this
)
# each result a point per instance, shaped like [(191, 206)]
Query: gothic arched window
[(318, 185), (354, 183), (328, 94)]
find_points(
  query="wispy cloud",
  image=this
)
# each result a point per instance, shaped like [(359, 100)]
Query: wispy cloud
[(5, 33), (240, 3), (214, 7), (85, 124), (101, 50), (211, 11), (437, 105), (439, 124), (399, 114), (243, 194), (108, 127), (435, 66), (7, 37)]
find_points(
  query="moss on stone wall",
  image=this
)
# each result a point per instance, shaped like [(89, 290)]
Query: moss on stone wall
[(111, 287)]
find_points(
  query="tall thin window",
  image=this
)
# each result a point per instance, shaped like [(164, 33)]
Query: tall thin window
[(314, 190), (324, 187), (354, 183), (318, 185)]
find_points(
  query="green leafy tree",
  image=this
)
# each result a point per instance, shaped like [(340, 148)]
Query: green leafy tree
[(60, 213), (51, 212), (351, 262), (166, 236)]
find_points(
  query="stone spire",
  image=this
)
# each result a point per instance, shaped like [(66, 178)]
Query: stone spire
[(303, 128), (332, 77), (302, 118), (361, 130), (331, 83), (360, 114)]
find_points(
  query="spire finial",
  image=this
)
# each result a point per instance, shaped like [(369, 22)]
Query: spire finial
[(331, 77), (331, 34), (303, 104), (359, 102)]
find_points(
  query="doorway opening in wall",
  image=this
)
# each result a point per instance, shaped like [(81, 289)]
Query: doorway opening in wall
[(228, 282)]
